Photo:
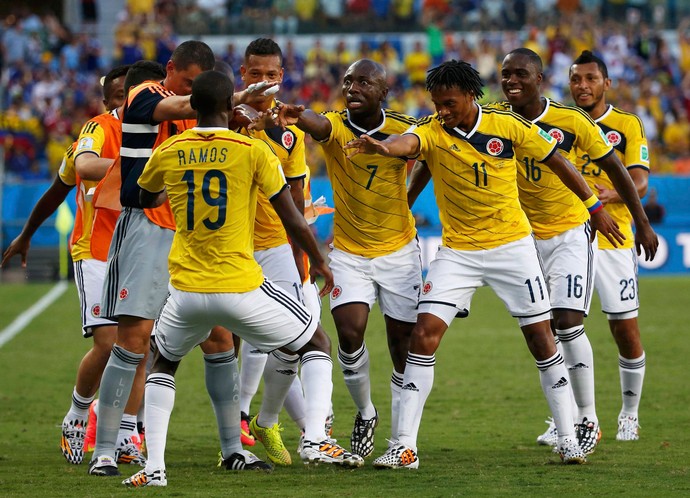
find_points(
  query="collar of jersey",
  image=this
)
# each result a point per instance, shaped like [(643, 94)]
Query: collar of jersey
[(609, 107), (474, 128), (370, 132), (209, 128)]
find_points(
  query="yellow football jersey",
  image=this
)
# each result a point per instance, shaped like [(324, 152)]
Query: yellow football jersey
[(372, 217), (288, 145), (475, 176), (551, 207), (625, 133), (212, 176), (80, 241)]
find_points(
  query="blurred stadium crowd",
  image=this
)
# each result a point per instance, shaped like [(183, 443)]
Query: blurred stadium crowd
[(50, 75)]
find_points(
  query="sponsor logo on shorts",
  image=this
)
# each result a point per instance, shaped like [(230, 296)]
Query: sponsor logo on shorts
[(613, 137), (335, 293), (96, 310), (557, 134), (123, 293), (288, 139), (427, 287), (494, 146)]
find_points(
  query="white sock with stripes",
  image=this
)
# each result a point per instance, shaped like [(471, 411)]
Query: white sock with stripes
[(632, 377), (160, 399), (417, 383), (317, 383), (356, 374), (554, 383), (579, 360)]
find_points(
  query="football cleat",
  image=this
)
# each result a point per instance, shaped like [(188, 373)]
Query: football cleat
[(328, 451), (570, 452), (144, 478), (628, 428), (362, 440), (397, 456), (272, 441), (129, 452), (588, 435), (103, 466), (72, 441), (246, 437), (550, 436), (90, 439), (243, 460)]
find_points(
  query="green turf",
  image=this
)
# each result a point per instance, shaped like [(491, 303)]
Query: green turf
[(477, 434)]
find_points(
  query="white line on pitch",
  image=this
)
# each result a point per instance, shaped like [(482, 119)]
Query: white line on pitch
[(25, 318)]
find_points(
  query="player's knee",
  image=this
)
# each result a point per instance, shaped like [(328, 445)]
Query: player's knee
[(318, 342)]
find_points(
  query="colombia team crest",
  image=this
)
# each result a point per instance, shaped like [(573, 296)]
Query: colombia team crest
[(96, 310), (288, 139), (557, 134), (494, 146), (336, 292), (613, 137), (123, 294), (427, 287)]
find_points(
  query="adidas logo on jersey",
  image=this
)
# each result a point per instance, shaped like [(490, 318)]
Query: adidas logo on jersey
[(410, 387), (578, 366), (455, 148), (561, 383)]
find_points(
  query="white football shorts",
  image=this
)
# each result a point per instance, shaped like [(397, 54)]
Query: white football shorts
[(568, 261), (394, 279), (512, 270), (89, 275), (267, 318), (278, 266), (616, 282)]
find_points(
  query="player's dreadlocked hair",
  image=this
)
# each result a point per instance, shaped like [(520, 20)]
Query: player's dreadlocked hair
[(263, 46), (587, 57), (457, 74)]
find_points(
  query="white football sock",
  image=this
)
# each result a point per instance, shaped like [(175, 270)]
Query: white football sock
[(632, 377), (160, 400), (356, 373)]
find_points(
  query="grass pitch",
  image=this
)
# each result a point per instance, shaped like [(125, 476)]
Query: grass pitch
[(477, 436)]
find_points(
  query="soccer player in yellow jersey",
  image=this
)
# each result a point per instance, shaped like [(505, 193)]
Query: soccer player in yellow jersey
[(616, 269), (281, 263), (560, 223), (472, 153), (375, 251), (211, 176)]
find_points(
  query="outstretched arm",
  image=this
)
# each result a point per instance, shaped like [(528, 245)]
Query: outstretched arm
[(419, 178), (406, 145), (299, 232), (318, 126), (601, 220), (46, 206), (172, 108), (628, 191)]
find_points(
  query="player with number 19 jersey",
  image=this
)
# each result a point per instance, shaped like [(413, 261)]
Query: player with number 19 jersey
[(372, 217), (475, 176), (213, 203)]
